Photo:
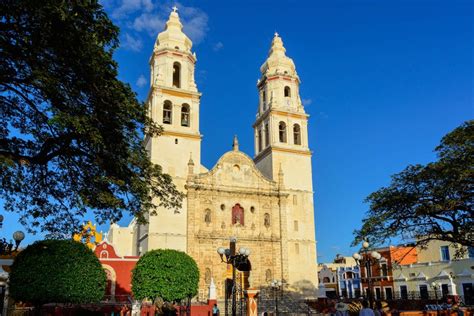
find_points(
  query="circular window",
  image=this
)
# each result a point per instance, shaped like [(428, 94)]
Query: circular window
[(222, 207), (252, 209)]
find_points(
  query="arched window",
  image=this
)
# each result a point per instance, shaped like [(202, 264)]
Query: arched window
[(185, 115), (264, 100), (282, 132), (267, 135), (268, 275), (259, 140), (266, 220), (326, 280), (237, 215), (167, 112), (287, 91), (296, 134), (207, 216), (177, 75)]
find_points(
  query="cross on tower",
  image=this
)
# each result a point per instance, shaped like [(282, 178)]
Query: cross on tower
[(175, 9)]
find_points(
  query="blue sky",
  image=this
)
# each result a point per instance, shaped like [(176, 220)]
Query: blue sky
[(383, 81)]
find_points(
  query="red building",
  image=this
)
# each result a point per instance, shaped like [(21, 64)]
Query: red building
[(119, 271), (119, 279), (382, 270)]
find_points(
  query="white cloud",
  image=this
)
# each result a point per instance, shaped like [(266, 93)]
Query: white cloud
[(218, 46), (150, 23), (194, 23), (141, 81), (121, 8), (131, 43), (150, 16), (306, 101)]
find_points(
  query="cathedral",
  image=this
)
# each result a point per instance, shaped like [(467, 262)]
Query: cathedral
[(265, 201)]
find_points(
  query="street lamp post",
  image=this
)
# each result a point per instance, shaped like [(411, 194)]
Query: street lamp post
[(6, 247), (368, 261), (435, 287), (276, 285), (236, 260)]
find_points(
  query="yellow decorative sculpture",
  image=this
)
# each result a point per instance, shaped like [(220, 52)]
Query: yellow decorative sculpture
[(89, 235)]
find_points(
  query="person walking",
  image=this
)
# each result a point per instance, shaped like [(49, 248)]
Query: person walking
[(378, 309), (366, 310), (341, 309), (215, 310)]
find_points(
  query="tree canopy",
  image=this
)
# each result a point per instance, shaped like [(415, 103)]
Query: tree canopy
[(57, 271), (428, 202), (167, 274), (71, 133)]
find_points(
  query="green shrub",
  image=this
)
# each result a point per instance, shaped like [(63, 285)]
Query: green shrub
[(57, 271), (169, 274)]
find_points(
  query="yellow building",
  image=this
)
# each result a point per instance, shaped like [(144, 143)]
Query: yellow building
[(438, 270), (265, 201)]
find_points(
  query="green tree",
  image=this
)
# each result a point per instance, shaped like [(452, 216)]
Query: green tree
[(167, 274), (428, 202), (71, 133), (57, 271)]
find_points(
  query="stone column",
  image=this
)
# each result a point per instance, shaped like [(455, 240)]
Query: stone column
[(251, 295)]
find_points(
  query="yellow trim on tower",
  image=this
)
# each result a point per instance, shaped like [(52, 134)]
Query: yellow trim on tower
[(178, 134), (179, 93), (267, 113), (270, 149), (293, 151), (295, 115)]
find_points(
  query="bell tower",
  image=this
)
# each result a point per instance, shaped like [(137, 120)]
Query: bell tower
[(173, 102), (281, 127), (282, 154)]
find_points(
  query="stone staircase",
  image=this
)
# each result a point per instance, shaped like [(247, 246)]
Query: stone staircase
[(288, 303)]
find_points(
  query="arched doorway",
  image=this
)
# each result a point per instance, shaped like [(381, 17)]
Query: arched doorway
[(111, 282)]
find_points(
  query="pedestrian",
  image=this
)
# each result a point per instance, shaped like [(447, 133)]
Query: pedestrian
[(215, 310), (366, 310), (341, 309), (378, 309)]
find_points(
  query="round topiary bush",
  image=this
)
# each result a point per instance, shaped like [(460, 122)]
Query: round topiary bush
[(169, 274), (57, 271)]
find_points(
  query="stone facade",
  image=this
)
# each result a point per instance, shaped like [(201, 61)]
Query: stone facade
[(266, 202)]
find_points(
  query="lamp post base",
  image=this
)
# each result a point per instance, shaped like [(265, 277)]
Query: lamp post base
[(251, 295)]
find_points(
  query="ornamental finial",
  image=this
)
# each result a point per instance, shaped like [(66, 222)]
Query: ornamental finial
[(276, 34), (175, 9), (235, 144)]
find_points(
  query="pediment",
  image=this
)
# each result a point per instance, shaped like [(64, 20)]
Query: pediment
[(465, 273), (420, 276), (236, 170), (443, 275), (401, 277)]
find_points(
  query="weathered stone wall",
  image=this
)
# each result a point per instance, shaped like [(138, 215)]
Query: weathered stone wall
[(235, 180)]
